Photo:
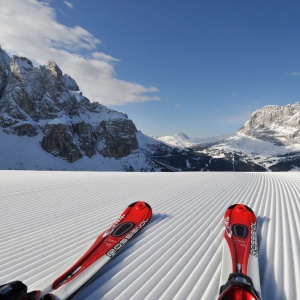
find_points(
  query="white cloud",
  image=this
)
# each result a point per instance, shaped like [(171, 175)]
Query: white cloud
[(69, 4), (29, 28)]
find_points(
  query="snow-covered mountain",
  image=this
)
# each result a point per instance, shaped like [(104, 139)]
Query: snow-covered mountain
[(181, 140), (277, 124), (270, 138), (269, 141), (46, 123)]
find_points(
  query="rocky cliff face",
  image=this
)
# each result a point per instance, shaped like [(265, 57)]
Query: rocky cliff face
[(277, 124), (43, 102)]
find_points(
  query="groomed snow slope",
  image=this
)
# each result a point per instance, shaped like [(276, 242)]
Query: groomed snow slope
[(47, 217)]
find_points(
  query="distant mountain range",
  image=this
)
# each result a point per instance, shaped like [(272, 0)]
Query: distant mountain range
[(47, 124), (269, 141)]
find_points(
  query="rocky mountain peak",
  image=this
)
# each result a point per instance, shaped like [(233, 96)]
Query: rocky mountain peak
[(54, 68), (278, 124), (43, 102), (21, 67)]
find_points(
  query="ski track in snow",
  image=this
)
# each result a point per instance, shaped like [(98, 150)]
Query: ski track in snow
[(47, 217)]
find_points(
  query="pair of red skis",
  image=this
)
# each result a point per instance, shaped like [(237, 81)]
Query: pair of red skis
[(240, 257)]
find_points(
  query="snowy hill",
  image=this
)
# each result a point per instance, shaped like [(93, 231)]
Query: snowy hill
[(47, 217), (181, 140)]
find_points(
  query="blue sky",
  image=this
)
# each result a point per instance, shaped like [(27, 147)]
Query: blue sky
[(193, 66)]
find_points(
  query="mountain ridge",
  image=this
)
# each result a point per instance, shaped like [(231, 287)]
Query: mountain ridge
[(47, 124)]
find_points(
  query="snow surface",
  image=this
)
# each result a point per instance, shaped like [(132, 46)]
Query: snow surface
[(47, 217)]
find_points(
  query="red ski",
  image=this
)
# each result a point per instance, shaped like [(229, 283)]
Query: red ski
[(240, 273), (104, 248)]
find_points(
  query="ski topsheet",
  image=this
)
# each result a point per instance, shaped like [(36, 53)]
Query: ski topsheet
[(240, 273), (103, 249)]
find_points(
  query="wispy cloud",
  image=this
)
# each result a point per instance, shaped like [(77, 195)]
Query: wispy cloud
[(69, 4), (178, 106), (105, 57), (30, 28), (294, 74)]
